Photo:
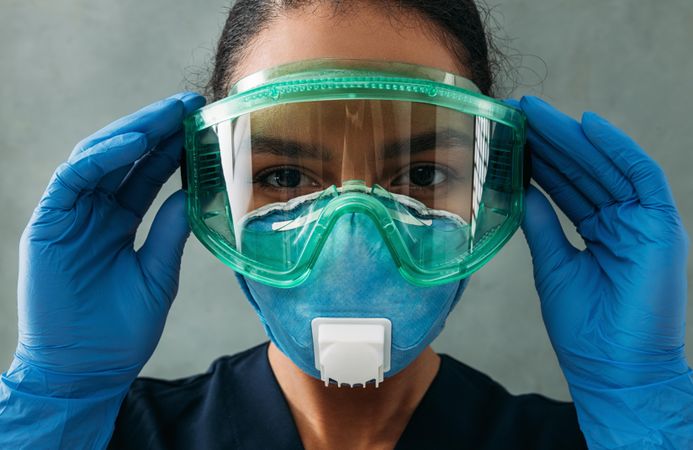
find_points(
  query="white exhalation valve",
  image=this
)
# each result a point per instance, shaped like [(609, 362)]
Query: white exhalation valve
[(352, 351)]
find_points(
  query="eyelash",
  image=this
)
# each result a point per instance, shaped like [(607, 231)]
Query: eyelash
[(259, 178), (447, 172)]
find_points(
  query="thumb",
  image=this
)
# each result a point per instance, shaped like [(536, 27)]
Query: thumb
[(160, 255), (547, 242)]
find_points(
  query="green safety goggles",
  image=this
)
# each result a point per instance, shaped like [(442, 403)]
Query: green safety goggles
[(439, 168)]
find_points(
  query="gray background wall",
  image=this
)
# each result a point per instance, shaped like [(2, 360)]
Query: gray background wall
[(69, 67)]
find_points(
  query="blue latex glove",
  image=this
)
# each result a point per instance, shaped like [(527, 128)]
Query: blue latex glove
[(615, 311), (91, 308)]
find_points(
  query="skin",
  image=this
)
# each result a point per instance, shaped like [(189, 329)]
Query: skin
[(349, 149), (344, 418), (353, 418)]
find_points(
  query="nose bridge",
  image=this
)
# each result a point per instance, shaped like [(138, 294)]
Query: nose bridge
[(359, 141)]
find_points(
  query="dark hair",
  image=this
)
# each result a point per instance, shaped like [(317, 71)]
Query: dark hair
[(457, 24)]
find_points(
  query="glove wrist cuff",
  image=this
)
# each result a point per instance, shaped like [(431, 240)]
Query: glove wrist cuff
[(32, 416), (30, 379), (657, 415), (601, 373)]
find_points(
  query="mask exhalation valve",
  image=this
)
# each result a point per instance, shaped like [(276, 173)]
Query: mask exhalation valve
[(352, 351)]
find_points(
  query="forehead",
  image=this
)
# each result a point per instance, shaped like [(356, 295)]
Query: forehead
[(363, 32)]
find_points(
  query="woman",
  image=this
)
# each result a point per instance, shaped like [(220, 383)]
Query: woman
[(92, 309)]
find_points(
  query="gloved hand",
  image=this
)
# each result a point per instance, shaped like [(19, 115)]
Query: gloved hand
[(91, 307), (615, 311)]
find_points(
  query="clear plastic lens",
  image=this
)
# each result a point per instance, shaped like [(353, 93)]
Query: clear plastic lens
[(279, 153)]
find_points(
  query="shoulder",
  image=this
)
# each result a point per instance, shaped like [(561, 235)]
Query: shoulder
[(469, 406), (190, 390), (220, 367), (159, 413)]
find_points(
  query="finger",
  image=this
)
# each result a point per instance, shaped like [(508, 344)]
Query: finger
[(160, 255), (646, 176), (589, 187), (143, 182), (571, 201), (569, 147), (590, 191), (111, 181), (86, 170), (512, 102), (547, 243), (158, 122), (155, 120), (139, 189)]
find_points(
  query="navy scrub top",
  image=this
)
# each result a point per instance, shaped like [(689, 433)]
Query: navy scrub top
[(238, 404)]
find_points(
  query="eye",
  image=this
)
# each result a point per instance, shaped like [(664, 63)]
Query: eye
[(285, 178), (422, 176)]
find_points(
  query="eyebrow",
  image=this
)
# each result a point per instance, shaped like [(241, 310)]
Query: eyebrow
[(417, 144), (427, 141), (288, 148)]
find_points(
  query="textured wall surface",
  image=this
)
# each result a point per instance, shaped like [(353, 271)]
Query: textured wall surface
[(68, 68)]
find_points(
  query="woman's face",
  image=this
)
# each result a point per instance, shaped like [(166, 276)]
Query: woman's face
[(352, 135)]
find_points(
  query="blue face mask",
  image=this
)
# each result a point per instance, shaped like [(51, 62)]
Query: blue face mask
[(354, 277)]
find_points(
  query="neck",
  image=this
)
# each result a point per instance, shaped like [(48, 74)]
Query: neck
[(354, 418)]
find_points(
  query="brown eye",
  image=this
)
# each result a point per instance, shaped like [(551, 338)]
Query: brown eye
[(285, 178), (421, 176)]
